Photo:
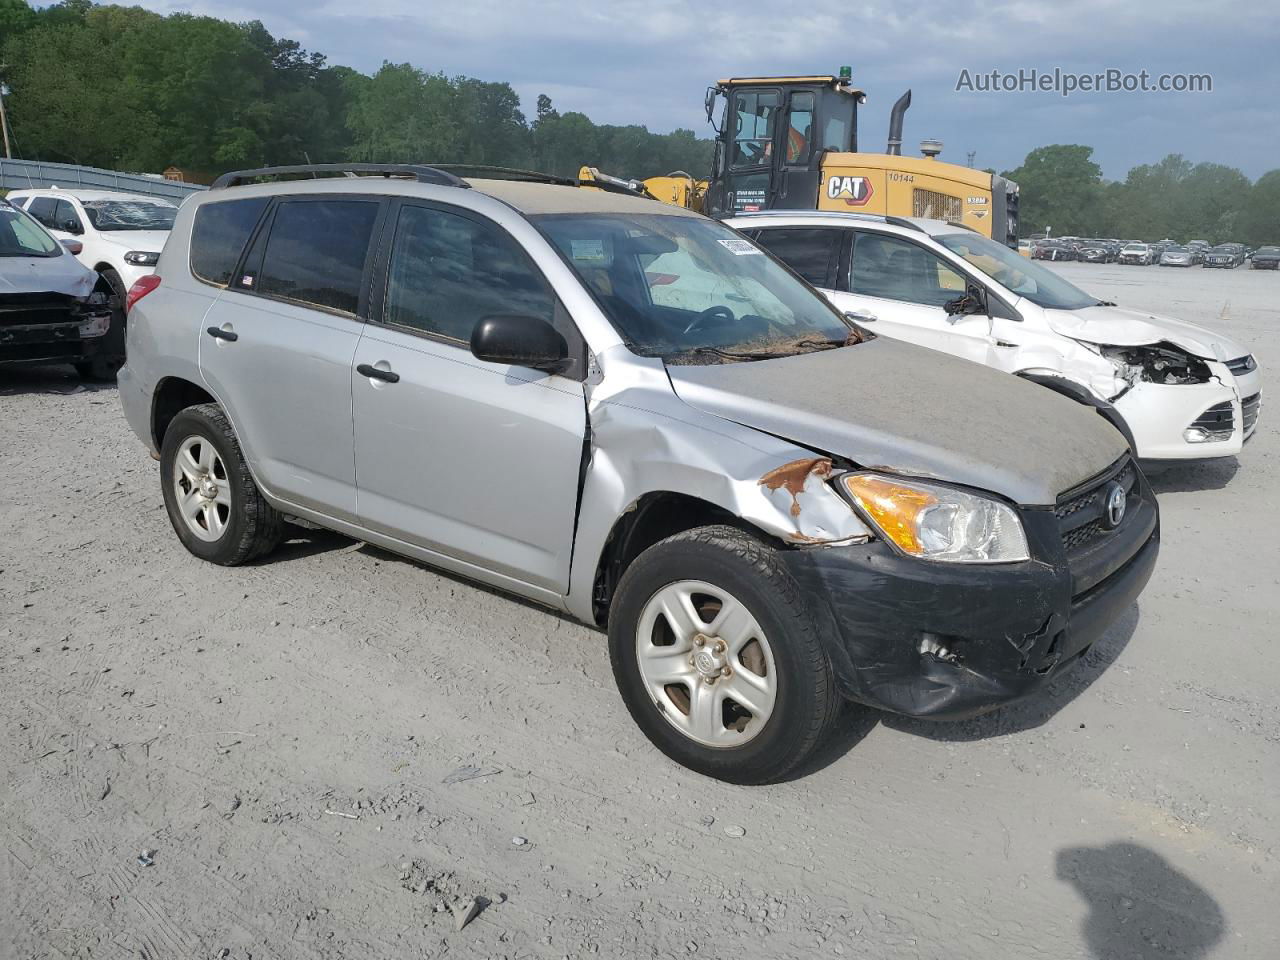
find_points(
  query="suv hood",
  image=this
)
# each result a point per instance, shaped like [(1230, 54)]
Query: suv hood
[(151, 241), (61, 274), (916, 412), (1118, 327)]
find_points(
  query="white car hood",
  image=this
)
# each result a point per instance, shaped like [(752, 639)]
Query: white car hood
[(151, 241), (1118, 327), (62, 274)]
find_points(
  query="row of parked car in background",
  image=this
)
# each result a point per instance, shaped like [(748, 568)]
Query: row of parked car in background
[(1166, 253)]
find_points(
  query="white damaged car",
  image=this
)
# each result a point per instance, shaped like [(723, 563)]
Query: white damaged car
[(1179, 391)]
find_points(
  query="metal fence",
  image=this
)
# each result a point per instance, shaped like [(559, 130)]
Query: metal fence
[(30, 174)]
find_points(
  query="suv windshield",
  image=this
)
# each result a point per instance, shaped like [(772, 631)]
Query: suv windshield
[(691, 290), (130, 215), (1016, 273), (20, 236)]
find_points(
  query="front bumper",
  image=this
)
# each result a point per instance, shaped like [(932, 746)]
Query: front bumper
[(1012, 627), (1159, 414), (53, 333), (1265, 264)]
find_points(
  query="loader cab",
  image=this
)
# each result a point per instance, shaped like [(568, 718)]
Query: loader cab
[(772, 134)]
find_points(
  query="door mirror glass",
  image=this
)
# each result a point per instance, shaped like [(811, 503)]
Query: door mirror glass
[(71, 226), (974, 300), (520, 341)]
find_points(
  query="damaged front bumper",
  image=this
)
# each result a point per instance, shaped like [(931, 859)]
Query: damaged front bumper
[(1172, 422), (47, 328), (948, 641)]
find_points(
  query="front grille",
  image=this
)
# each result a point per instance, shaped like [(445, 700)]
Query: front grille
[(28, 309), (1081, 512), (1242, 365), (1218, 421), (1249, 407), (936, 206)]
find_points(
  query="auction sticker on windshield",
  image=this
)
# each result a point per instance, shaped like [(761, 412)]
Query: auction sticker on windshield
[(739, 248), (587, 250)]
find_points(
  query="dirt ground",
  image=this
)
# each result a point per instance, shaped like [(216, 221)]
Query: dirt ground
[(326, 754)]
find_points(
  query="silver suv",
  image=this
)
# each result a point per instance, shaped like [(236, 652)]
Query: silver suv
[(629, 412)]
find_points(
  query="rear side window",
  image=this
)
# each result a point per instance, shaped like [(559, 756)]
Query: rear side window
[(42, 209), (219, 235), (811, 252), (316, 252), (448, 272)]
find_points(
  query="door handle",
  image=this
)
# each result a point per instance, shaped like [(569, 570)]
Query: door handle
[(376, 373), (861, 315), (220, 334)]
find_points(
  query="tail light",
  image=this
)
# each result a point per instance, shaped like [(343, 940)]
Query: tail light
[(141, 287)]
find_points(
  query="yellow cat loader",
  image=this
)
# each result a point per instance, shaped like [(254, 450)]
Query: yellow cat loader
[(791, 143)]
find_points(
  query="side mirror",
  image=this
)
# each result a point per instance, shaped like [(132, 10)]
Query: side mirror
[(974, 301), (72, 227), (73, 246), (519, 341)]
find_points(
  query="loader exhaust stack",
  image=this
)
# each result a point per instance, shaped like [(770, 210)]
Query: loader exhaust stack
[(895, 125)]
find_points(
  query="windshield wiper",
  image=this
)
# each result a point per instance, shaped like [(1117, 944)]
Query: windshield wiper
[(820, 344), (732, 355), (1105, 303)]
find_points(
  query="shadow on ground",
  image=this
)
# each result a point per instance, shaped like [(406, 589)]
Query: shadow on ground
[(1140, 906), (1040, 707), (1190, 477), (59, 379)]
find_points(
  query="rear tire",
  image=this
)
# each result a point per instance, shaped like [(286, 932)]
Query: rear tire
[(213, 503), (773, 699)]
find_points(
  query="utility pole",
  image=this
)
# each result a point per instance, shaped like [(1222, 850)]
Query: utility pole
[(973, 155), (4, 118)]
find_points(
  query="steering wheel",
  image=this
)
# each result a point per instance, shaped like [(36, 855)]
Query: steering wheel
[(719, 310)]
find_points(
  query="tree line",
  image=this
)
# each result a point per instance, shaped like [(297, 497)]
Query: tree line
[(1062, 188), (128, 89)]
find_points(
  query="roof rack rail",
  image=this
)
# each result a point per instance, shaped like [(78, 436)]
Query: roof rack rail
[(905, 223), (603, 182), (486, 171), (420, 172)]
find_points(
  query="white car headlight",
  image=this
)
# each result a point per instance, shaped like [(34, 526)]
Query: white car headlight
[(934, 522)]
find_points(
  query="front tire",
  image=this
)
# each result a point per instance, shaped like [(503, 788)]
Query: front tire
[(718, 658), (213, 503)]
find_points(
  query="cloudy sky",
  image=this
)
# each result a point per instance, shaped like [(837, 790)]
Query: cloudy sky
[(625, 61)]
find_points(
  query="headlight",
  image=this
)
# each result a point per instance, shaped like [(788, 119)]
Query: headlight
[(934, 522), (142, 258)]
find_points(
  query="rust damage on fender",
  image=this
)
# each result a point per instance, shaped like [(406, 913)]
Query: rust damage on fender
[(792, 476)]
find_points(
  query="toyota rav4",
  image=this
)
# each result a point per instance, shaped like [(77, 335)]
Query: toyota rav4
[(628, 412)]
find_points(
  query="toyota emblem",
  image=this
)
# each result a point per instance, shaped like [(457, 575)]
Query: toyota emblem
[(1117, 500)]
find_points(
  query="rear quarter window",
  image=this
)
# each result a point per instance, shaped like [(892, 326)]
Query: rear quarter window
[(218, 237)]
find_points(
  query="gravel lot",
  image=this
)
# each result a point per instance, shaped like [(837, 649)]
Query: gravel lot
[(329, 751)]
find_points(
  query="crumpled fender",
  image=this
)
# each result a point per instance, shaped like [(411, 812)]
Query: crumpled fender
[(643, 439)]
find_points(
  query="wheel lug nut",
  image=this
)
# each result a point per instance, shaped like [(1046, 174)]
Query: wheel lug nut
[(709, 680), (699, 640)]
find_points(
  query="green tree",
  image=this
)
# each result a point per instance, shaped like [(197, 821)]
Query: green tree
[(1060, 187), (1260, 222)]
